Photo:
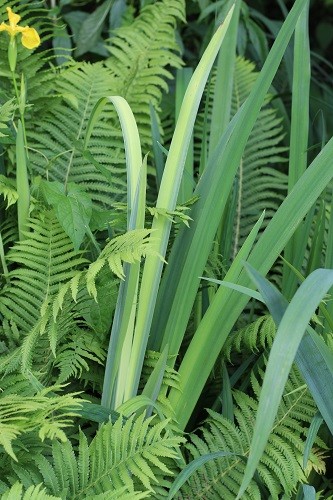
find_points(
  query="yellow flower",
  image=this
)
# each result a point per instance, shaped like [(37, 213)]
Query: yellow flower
[(30, 37)]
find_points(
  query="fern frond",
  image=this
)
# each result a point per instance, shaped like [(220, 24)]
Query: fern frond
[(142, 56), (255, 336), (6, 113), (32, 493), (43, 412), (75, 355), (129, 247), (124, 458), (44, 261), (179, 214), (16, 492), (47, 259), (137, 70), (280, 469), (8, 190), (170, 377), (9, 230), (47, 278), (57, 141), (260, 184)]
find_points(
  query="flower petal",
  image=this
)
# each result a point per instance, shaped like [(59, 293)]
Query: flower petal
[(30, 38), (14, 19)]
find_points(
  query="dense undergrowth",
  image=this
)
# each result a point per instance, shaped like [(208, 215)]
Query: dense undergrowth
[(158, 160)]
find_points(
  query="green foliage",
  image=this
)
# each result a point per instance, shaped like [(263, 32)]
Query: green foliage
[(129, 247), (260, 184), (43, 261), (60, 282), (45, 329), (280, 469), (8, 191), (57, 141), (122, 459), (141, 57), (170, 377), (73, 208), (254, 337), (32, 493), (33, 301), (6, 112), (29, 333), (45, 412)]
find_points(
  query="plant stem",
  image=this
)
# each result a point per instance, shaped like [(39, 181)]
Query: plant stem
[(20, 111), (3, 259)]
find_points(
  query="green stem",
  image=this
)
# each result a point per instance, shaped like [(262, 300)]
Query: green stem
[(22, 183), (20, 111), (3, 259)]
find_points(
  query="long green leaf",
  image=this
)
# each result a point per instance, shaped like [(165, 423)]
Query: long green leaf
[(120, 344), (192, 246), (266, 251), (295, 248), (156, 137), (167, 198), (314, 358), (185, 400), (195, 465), (183, 77), (224, 82), (283, 351), (22, 182), (309, 493), (311, 436), (153, 385)]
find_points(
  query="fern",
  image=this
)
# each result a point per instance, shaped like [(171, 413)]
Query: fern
[(57, 141), (170, 377), (280, 469), (34, 65), (43, 262), (8, 190), (257, 336), (142, 55), (32, 493), (76, 354), (39, 493), (129, 247), (259, 185), (42, 322), (48, 414), (122, 459), (6, 112)]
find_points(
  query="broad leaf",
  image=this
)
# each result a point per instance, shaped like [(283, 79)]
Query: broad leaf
[(73, 208), (91, 28)]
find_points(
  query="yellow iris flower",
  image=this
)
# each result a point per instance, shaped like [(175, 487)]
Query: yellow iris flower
[(30, 37)]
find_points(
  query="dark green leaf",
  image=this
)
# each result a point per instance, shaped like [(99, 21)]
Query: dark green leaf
[(96, 413), (73, 209), (314, 358), (91, 29)]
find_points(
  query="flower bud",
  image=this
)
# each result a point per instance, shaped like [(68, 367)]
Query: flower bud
[(12, 53)]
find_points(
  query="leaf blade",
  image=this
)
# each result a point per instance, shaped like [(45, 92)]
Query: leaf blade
[(283, 352)]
